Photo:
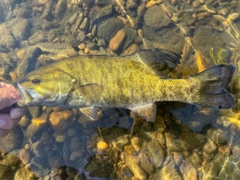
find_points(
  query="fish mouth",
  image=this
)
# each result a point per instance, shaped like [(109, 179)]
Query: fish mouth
[(27, 96)]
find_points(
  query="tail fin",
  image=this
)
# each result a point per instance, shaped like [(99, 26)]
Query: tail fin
[(213, 87)]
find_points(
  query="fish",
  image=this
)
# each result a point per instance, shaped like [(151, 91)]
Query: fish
[(90, 82)]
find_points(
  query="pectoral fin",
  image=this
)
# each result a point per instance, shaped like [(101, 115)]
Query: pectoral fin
[(91, 112), (148, 111)]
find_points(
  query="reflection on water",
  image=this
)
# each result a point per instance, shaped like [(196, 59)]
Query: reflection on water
[(184, 142)]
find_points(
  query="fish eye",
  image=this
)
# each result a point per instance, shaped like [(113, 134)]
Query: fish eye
[(36, 81)]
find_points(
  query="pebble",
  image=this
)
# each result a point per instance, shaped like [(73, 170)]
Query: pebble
[(147, 165), (209, 148), (168, 171), (160, 19), (131, 4), (136, 143), (21, 28), (130, 50), (60, 9), (84, 24), (35, 126), (24, 173), (117, 40), (21, 53), (86, 50), (25, 156), (190, 141), (156, 153), (72, 132), (13, 140), (40, 166), (236, 148), (150, 4), (75, 154), (133, 164), (218, 136), (189, 172), (61, 120), (172, 142), (28, 62), (108, 28), (107, 10), (38, 149), (75, 143), (102, 146), (7, 41), (59, 136)]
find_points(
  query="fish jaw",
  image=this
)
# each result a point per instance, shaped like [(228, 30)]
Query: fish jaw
[(29, 97)]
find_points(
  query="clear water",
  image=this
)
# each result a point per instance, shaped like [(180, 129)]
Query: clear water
[(184, 142)]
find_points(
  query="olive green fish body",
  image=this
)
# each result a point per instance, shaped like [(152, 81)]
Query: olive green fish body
[(125, 82)]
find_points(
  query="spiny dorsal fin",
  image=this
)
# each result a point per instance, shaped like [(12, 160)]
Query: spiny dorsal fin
[(147, 111)]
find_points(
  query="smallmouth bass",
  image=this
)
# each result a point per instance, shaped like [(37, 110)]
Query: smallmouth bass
[(91, 81)]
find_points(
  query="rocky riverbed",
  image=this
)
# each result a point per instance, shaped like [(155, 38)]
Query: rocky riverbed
[(185, 141)]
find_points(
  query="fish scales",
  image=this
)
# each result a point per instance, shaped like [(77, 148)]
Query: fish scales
[(124, 79), (88, 82)]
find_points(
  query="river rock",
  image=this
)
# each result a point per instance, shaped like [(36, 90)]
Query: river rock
[(40, 166), (108, 28), (117, 40), (133, 163), (168, 171), (29, 61), (131, 34), (191, 140), (209, 149), (156, 153), (61, 120), (60, 8), (24, 174), (172, 142), (21, 28), (35, 126), (155, 17), (218, 136), (24, 156), (133, 48), (188, 172), (13, 140), (7, 40), (102, 12)]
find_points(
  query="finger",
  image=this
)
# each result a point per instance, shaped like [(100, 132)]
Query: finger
[(4, 132), (16, 113), (6, 122), (9, 95)]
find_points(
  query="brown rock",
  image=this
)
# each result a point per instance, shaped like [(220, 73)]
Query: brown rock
[(36, 125), (13, 140), (24, 156), (130, 50), (61, 120), (75, 154), (117, 40)]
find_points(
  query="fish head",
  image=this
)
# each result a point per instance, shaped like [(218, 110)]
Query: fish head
[(48, 87)]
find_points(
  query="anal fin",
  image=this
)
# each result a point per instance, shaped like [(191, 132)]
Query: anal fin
[(147, 111)]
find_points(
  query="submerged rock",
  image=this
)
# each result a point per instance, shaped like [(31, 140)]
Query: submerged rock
[(13, 140), (108, 28), (155, 17)]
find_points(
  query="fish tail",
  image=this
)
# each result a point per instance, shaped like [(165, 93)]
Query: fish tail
[(212, 90)]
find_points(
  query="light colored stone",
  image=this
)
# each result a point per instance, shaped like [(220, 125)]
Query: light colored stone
[(117, 40)]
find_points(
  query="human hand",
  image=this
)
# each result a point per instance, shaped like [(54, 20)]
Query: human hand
[(9, 116)]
